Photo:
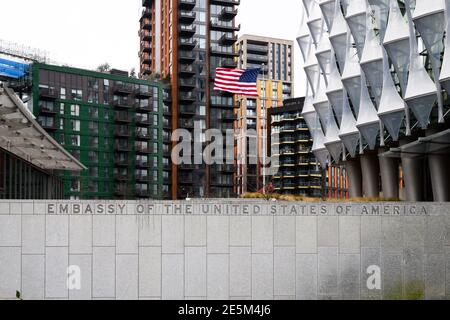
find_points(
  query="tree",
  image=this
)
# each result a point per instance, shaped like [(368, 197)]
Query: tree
[(105, 67), (133, 73)]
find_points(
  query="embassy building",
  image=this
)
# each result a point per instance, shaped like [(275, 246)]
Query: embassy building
[(377, 103)]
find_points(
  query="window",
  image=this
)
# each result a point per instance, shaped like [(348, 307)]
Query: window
[(75, 186), (75, 110), (75, 125), (77, 94), (93, 156), (75, 140), (93, 112)]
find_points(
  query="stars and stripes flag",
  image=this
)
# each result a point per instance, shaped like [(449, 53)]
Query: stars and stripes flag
[(237, 81)]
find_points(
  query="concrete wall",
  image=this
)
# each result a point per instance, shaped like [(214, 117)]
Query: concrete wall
[(223, 250)]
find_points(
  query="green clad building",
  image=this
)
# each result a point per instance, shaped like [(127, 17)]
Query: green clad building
[(112, 123)]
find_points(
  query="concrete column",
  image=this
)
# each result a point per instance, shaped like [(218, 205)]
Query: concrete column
[(353, 168), (440, 177), (389, 172), (413, 177), (370, 175)]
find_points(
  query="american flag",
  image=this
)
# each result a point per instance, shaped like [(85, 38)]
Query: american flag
[(237, 81)]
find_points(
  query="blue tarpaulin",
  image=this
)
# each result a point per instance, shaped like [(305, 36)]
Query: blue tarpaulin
[(12, 69)]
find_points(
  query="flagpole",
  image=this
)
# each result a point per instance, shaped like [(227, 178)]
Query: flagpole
[(264, 132)]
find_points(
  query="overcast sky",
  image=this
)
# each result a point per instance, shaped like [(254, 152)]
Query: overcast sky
[(90, 32)]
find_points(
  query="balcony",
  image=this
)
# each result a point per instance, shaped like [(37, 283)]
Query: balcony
[(187, 57), (288, 129), (145, 107), (166, 110), (226, 2), (48, 93), (215, 25), (122, 103), (145, 35), (124, 133), (143, 178), (287, 89), (226, 54), (222, 182), (146, 47), (146, 24), (142, 135), (48, 125), (122, 88), (141, 148), (147, 3), (187, 16), (46, 108), (257, 58), (143, 91), (228, 63), (146, 58), (187, 84), (121, 162), (142, 120), (187, 44), (186, 4), (143, 193), (287, 152), (255, 48), (146, 13), (123, 117), (227, 115), (122, 147), (228, 13), (187, 110), (142, 164), (288, 140), (122, 191), (166, 124), (228, 168), (121, 177), (186, 123), (226, 39), (187, 97), (186, 70), (185, 179), (187, 30), (186, 167)]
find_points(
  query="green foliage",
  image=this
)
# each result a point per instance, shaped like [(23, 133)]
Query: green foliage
[(414, 290), (105, 67)]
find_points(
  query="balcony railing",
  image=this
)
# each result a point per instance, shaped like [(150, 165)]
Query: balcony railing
[(47, 108), (122, 88), (228, 13), (142, 134), (122, 103), (187, 4), (50, 93)]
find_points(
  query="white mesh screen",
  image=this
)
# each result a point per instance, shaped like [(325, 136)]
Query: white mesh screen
[(396, 43), (327, 7), (348, 132), (356, 20), (367, 116), (391, 109), (381, 12), (421, 91)]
